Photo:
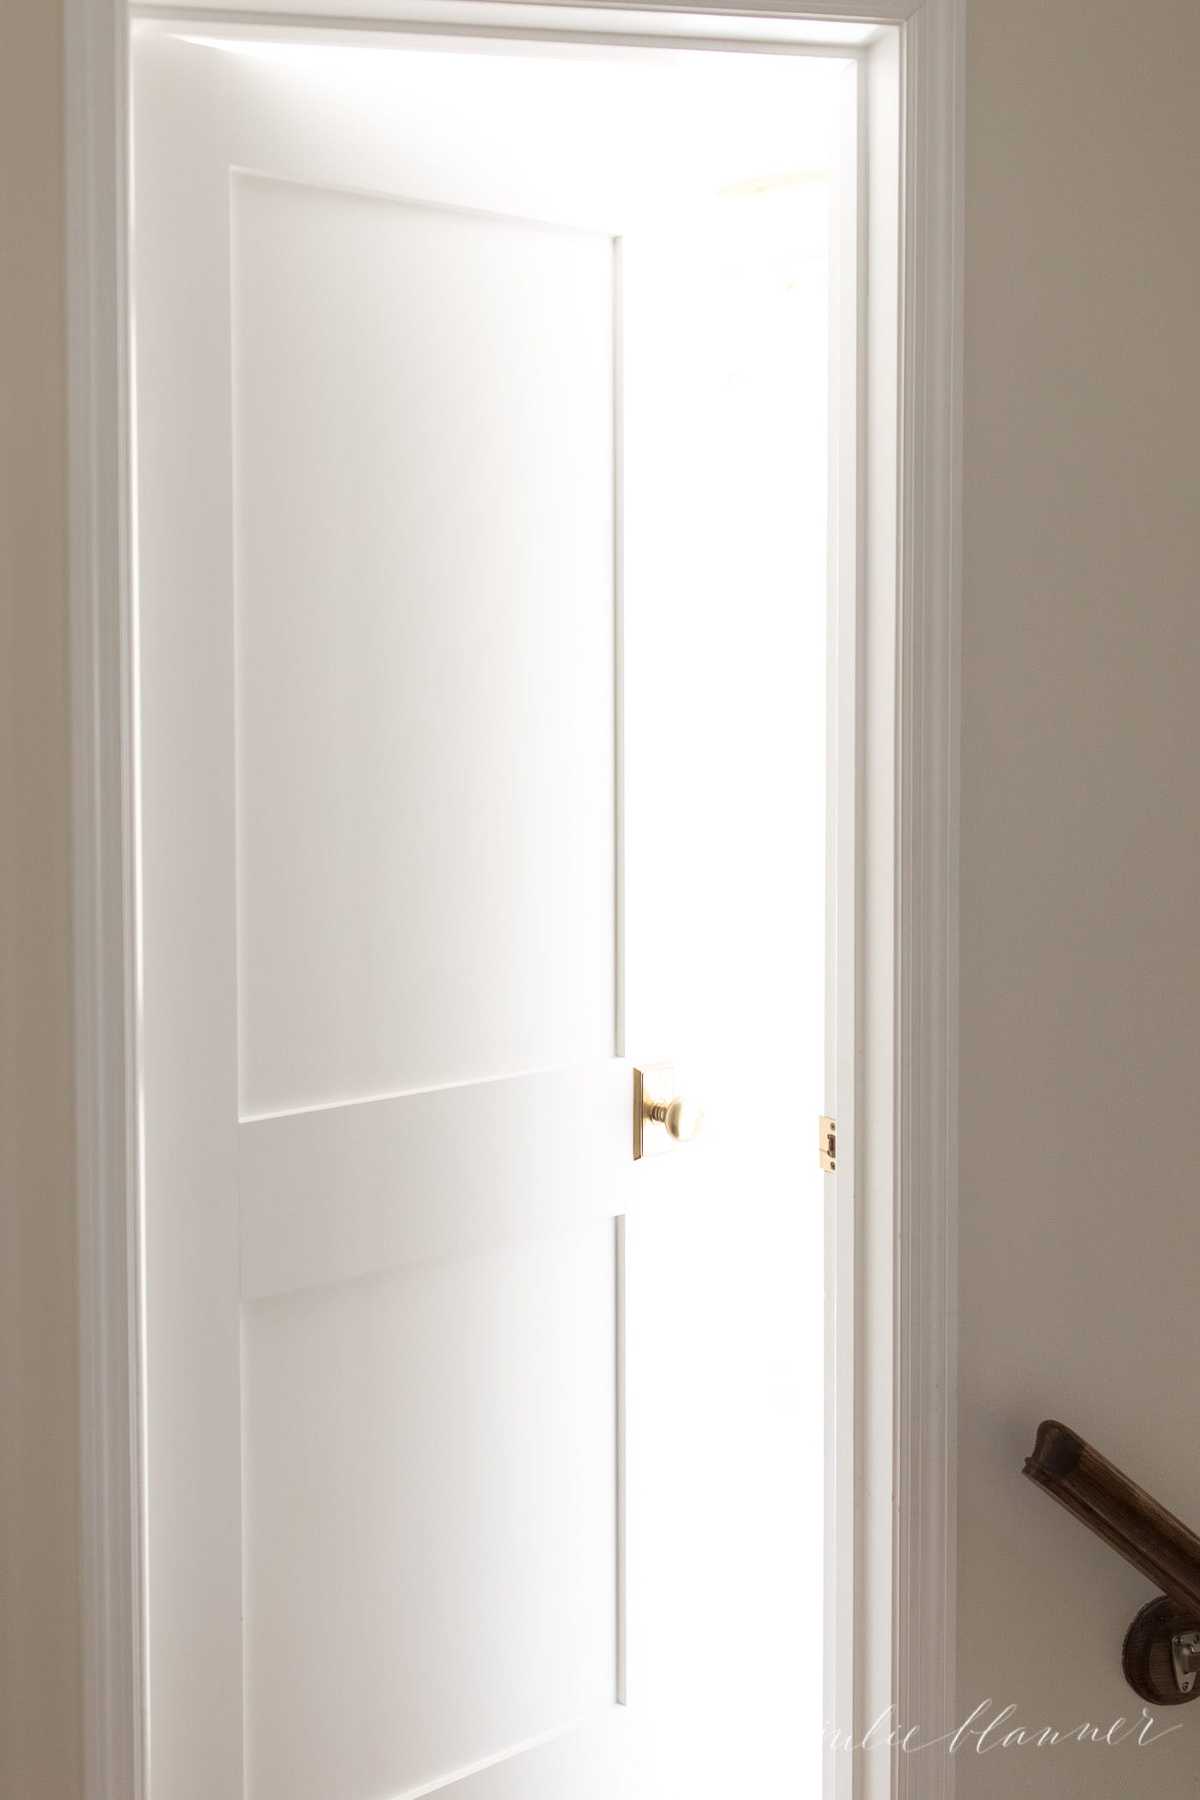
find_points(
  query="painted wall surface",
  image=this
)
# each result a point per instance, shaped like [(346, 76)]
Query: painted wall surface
[(39, 1612), (1080, 1229)]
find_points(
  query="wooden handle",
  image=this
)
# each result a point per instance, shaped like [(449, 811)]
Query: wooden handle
[(1119, 1511)]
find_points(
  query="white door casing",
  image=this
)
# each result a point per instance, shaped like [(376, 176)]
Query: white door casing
[(110, 1051)]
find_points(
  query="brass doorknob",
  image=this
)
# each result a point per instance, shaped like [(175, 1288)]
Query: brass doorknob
[(655, 1102), (682, 1118)]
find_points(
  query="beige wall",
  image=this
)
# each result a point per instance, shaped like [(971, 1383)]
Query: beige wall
[(1080, 1265), (39, 1625)]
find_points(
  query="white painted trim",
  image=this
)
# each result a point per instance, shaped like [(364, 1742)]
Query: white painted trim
[(926, 1188), (679, 33), (876, 946), (916, 1360), (104, 864), (847, 369), (366, 14)]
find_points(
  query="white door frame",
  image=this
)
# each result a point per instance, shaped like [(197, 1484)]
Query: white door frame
[(894, 1580)]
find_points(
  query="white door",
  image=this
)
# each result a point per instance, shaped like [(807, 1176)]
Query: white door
[(481, 1458)]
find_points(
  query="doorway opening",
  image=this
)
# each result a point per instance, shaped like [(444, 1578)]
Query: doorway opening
[(497, 434)]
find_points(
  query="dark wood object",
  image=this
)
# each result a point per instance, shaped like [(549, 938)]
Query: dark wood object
[(1146, 1535)]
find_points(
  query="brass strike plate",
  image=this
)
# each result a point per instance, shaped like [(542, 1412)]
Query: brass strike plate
[(652, 1086), (827, 1144)]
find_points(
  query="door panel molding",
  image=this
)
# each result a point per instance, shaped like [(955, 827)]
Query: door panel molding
[(909, 1364), (531, 1133)]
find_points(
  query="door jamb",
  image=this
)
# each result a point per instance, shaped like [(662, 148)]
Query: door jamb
[(903, 1212)]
